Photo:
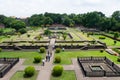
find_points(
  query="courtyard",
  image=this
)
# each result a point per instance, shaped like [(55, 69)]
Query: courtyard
[(75, 43)]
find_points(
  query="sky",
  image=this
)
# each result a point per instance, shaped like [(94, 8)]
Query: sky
[(26, 8)]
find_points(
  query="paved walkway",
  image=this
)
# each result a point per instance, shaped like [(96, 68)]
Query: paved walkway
[(45, 72)]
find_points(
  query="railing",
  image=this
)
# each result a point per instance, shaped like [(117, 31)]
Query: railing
[(115, 70), (10, 62)]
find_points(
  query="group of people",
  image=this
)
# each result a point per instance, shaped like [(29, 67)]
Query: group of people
[(48, 55)]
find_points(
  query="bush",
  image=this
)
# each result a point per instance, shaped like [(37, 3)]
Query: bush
[(0, 49), (90, 33), (42, 50), (101, 51), (28, 35), (102, 37), (115, 41), (57, 59), (57, 70), (118, 59), (116, 35), (47, 32), (29, 71), (58, 50), (23, 30), (37, 59)]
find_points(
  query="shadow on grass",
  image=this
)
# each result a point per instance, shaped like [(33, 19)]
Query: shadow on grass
[(25, 76), (36, 62)]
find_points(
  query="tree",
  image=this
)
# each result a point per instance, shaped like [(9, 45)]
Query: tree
[(2, 19), (47, 32), (36, 20), (68, 22), (48, 20), (64, 36), (16, 24), (116, 15), (105, 24), (92, 19), (8, 22)]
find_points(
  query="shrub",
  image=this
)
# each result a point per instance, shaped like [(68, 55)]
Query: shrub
[(37, 59), (57, 59), (29, 71), (116, 35), (90, 33), (93, 42), (42, 50), (101, 51), (0, 49), (47, 32), (102, 37), (23, 30), (115, 41), (57, 70), (58, 50), (111, 32), (118, 59), (28, 35)]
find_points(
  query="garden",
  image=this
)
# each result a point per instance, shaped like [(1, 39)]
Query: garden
[(67, 55), (27, 55)]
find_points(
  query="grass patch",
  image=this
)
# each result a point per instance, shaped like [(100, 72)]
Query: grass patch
[(29, 56), (67, 55), (19, 75), (66, 75), (108, 41)]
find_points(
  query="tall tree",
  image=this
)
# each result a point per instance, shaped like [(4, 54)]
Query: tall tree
[(116, 15), (16, 24), (48, 20)]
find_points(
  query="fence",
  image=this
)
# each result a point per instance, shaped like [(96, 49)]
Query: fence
[(115, 70), (8, 63)]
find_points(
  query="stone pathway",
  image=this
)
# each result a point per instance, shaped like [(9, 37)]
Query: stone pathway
[(45, 72)]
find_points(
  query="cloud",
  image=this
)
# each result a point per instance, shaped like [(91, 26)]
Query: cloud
[(28, 7)]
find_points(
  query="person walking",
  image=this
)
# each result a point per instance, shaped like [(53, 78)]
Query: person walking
[(49, 57), (43, 62), (46, 57), (50, 53)]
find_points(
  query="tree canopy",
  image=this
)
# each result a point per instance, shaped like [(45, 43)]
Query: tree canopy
[(90, 20)]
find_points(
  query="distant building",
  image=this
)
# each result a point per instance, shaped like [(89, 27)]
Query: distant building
[(2, 26)]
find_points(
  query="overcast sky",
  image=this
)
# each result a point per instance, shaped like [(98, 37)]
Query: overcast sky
[(25, 8)]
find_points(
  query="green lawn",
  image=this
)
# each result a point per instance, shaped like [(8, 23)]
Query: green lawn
[(80, 34), (66, 75), (108, 41), (112, 35), (20, 76), (28, 56), (67, 55)]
